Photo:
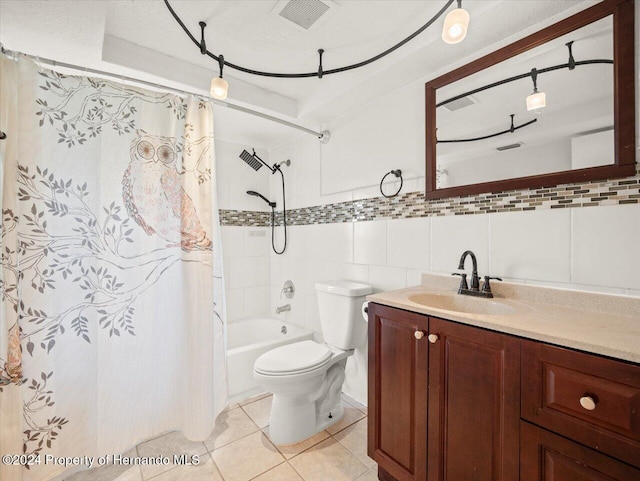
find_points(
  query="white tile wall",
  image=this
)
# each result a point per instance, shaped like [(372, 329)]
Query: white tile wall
[(408, 242), (370, 242), (452, 235), (532, 245), (605, 246)]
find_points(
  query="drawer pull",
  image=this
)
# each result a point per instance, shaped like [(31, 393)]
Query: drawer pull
[(433, 338), (419, 334), (588, 403)]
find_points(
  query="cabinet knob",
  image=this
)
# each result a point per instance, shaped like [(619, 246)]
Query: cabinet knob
[(419, 334), (433, 338), (588, 403)]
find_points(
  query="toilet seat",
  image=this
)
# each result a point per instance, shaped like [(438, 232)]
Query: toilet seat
[(295, 358)]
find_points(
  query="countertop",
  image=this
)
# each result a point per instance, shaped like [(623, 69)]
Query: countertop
[(603, 324)]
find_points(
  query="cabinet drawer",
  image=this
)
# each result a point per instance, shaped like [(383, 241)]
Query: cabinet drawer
[(591, 399), (545, 456)]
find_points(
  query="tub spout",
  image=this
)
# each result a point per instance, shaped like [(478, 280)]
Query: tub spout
[(280, 309)]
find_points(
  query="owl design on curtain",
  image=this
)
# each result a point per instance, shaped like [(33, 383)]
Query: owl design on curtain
[(154, 197)]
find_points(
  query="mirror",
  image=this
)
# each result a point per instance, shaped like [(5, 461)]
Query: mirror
[(555, 107)]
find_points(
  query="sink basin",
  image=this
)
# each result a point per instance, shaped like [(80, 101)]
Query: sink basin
[(463, 304)]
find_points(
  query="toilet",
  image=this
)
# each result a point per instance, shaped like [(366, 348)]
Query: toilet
[(306, 377)]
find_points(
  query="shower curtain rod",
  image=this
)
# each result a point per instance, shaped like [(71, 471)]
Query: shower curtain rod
[(322, 136)]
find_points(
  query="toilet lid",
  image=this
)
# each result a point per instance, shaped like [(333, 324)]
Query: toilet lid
[(293, 358)]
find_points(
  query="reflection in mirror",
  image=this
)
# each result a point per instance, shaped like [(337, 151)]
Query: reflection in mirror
[(489, 134)]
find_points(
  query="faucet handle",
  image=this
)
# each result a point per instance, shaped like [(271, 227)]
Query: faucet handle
[(463, 280), (486, 287)]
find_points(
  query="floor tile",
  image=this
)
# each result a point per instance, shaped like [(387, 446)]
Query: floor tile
[(169, 445), (230, 426), (328, 460), (254, 398), (354, 438), (368, 476), (259, 411), (291, 450), (205, 471), (247, 458), (110, 472), (351, 415), (283, 472)]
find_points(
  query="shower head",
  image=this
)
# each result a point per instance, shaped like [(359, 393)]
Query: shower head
[(256, 194), (254, 163)]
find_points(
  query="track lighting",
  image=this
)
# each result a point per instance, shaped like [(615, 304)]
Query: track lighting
[(455, 29), (455, 25), (537, 100), (219, 86)]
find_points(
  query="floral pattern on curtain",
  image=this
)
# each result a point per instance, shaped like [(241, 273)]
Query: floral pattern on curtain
[(112, 326)]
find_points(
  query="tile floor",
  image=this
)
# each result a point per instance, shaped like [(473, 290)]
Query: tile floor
[(239, 449)]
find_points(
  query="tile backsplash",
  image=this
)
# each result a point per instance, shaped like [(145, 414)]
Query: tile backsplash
[(413, 204)]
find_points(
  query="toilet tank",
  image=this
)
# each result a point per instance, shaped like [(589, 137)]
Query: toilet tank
[(340, 306)]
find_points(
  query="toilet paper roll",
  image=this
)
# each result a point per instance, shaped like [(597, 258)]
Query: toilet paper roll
[(365, 308)]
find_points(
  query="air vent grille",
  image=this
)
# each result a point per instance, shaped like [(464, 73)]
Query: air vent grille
[(304, 13), (460, 103)]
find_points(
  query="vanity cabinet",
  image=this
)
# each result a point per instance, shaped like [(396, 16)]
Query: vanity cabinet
[(452, 402)]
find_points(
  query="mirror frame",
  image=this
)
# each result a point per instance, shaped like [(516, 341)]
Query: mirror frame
[(624, 103)]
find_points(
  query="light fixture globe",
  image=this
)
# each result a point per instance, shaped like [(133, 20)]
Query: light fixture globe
[(455, 26), (536, 101), (219, 88)]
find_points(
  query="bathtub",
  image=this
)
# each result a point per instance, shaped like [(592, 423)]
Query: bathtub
[(246, 341)]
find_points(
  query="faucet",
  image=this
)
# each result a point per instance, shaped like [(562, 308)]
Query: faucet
[(475, 283), (281, 309), (474, 289)]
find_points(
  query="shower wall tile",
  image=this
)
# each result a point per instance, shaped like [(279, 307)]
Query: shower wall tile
[(256, 301), (232, 241), (235, 306), (257, 241), (264, 276), (243, 272)]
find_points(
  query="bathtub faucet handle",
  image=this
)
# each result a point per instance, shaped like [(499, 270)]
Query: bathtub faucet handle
[(288, 290)]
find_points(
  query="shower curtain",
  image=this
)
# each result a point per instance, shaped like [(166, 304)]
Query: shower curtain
[(112, 318)]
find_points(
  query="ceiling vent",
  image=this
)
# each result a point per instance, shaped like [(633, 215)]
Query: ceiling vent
[(510, 146), (303, 13), (461, 103)]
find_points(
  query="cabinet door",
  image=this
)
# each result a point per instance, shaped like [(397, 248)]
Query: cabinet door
[(474, 404), (398, 392), (548, 457)]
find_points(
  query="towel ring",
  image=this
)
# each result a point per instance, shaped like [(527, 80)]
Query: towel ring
[(397, 173)]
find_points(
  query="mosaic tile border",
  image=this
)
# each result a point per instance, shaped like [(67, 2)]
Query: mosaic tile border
[(414, 204)]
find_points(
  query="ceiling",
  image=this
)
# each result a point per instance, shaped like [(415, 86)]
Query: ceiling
[(139, 38)]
